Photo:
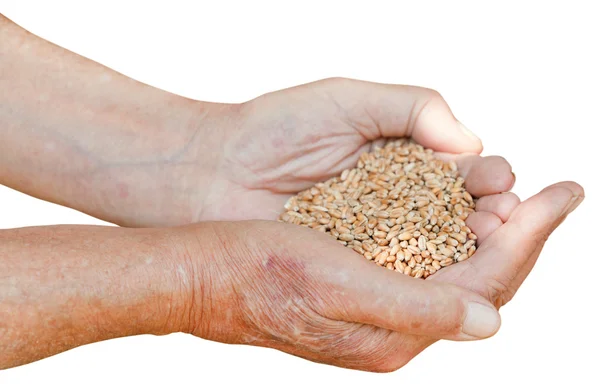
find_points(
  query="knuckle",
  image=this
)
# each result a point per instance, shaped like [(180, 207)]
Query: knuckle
[(446, 311), (428, 97), (433, 95), (496, 288), (336, 81), (372, 349), (390, 364), (541, 237)]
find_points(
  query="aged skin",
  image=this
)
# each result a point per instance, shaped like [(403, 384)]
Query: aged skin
[(255, 282), (78, 134)]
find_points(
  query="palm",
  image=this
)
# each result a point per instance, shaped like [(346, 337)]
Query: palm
[(290, 139), (275, 156)]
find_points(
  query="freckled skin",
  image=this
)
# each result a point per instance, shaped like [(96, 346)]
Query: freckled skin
[(66, 303), (138, 156), (255, 282), (416, 324), (284, 295)]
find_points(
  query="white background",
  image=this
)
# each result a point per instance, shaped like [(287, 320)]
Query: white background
[(523, 75)]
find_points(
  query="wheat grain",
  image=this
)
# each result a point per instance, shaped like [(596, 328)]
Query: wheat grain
[(400, 208)]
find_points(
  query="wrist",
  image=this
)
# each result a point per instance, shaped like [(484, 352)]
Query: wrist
[(209, 266), (106, 145), (189, 264), (163, 176), (139, 291)]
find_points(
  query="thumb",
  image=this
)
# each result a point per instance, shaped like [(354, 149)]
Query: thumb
[(400, 303), (404, 111)]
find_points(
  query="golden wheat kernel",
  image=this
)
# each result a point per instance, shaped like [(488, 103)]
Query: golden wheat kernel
[(405, 236), (471, 251), (400, 207), (446, 262), (462, 257)]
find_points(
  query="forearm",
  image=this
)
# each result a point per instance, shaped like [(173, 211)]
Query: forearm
[(76, 133), (65, 286)]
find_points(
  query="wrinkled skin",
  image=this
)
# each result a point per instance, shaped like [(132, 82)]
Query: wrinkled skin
[(137, 156), (296, 290), (288, 288)]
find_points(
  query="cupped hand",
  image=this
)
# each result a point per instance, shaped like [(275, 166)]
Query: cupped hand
[(294, 289), (297, 290), (511, 237), (284, 142)]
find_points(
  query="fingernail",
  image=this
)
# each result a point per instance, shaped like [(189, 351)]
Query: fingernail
[(467, 132), (575, 202), (481, 321)]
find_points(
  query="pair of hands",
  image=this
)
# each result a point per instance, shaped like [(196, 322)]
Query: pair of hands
[(289, 288), (88, 138)]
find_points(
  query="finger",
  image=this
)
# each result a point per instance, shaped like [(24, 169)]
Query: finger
[(501, 205), (403, 111), (526, 269), (487, 175), (533, 257), (483, 224), (400, 303), (504, 254), (483, 175)]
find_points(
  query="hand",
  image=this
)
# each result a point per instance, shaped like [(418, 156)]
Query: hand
[(284, 142), (294, 289), (511, 238)]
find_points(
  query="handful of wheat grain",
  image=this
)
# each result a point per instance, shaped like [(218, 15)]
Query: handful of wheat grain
[(400, 207)]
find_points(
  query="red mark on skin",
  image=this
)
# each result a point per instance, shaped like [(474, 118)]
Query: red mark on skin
[(122, 190), (289, 275)]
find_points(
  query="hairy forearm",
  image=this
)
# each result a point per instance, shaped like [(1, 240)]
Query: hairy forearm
[(65, 286), (76, 133)]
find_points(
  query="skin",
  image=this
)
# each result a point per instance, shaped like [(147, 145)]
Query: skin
[(81, 135)]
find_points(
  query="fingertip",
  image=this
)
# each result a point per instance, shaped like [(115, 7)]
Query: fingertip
[(542, 213), (483, 224), (502, 204), (490, 176), (436, 127), (475, 145)]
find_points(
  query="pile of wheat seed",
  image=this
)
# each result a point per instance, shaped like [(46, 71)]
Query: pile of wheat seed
[(400, 208)]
